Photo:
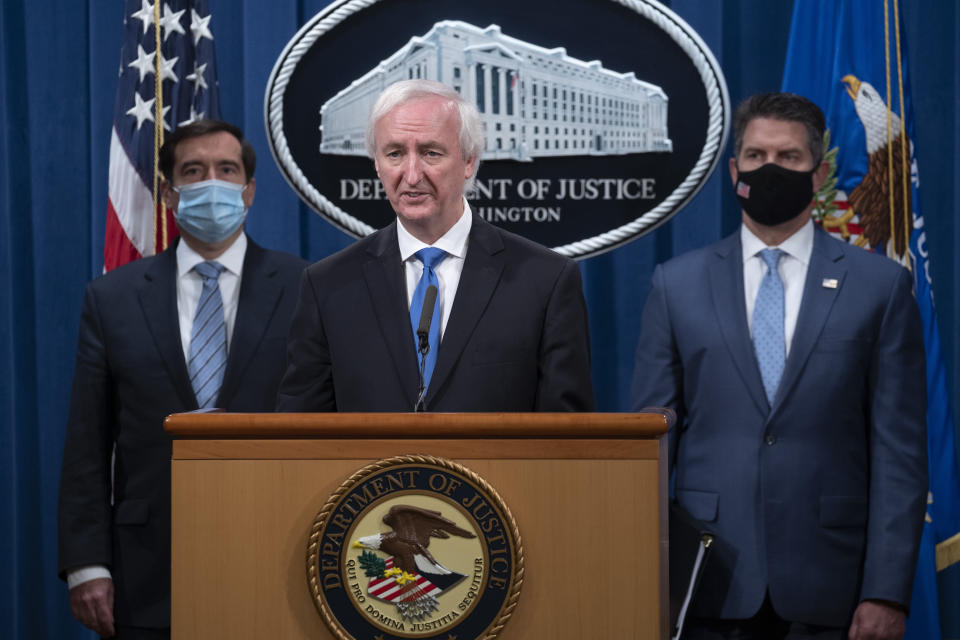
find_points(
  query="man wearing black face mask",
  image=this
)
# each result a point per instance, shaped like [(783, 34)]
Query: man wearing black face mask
[(202, 325), (795, 364)]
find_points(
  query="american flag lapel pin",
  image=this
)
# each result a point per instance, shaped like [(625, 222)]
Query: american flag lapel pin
[(830, 283)]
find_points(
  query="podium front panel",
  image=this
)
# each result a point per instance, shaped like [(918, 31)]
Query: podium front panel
[(591, 513)]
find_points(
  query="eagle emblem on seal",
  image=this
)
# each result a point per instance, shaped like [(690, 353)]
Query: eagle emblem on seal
[(409, 577)]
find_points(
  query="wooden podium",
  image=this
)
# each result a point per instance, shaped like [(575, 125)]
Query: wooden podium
[(588, 492)]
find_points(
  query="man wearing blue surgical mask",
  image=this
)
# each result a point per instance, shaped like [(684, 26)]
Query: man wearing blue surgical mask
[(210, 187), (201, 325)]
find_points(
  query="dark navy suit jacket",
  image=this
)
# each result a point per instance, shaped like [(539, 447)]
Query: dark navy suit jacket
[(821, 496), (516, 339), (130, 374)]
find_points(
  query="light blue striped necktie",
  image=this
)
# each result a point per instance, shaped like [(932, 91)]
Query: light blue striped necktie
[(430, 257), (208, 338), (768, 337)]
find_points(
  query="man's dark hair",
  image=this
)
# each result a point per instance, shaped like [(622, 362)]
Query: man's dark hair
[(202, 127), (781, 106)]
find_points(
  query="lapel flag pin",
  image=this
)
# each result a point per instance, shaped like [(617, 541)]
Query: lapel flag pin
[(829, 283)]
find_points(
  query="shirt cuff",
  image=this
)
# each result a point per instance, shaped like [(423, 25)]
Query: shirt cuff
[(76, 577)]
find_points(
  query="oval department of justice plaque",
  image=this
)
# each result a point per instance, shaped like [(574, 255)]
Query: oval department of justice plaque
[(602, 117), (415, 547)]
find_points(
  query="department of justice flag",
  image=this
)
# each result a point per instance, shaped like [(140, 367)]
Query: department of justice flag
[(850, 58), (156, 93)]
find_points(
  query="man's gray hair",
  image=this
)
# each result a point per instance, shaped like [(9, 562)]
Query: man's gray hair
[(470, 136)]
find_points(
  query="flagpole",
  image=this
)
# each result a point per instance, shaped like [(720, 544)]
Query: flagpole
[(891, 248), (159, 216), (904, 144)]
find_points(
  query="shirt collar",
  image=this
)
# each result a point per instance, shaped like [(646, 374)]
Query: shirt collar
[(799, 245), (454, 241), (232, 258)]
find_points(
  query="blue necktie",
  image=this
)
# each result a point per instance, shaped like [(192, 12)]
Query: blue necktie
[(208, 338), (768, 340), (430, 258)]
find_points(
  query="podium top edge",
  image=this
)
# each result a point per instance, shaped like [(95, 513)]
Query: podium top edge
[(650, 423)]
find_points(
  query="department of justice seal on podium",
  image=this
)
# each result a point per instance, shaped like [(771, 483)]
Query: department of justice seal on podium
[(415, 547)]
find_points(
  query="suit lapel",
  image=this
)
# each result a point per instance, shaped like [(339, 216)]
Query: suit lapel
[(158, 301), (478, 280), (726, 283), (825, 264), (383, 273), (259, 295)]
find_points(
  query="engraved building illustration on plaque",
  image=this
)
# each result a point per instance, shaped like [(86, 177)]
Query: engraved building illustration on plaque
[(535, 102)]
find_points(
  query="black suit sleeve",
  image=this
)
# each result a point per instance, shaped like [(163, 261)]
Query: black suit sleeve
[(84, 509), (564, 382), (307, 384)]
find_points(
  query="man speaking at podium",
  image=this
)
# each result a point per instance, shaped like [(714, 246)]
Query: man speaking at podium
[(440, 310), (795, 364)]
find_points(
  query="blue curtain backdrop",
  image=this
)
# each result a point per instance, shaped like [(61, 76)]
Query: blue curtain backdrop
[(58, 70)]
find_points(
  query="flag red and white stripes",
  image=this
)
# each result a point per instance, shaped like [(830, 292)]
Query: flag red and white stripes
[(137, 224)]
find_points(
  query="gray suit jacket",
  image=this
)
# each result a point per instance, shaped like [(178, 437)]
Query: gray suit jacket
[(821, 496)]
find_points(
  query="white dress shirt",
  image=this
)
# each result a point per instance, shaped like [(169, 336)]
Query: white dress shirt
[(792, 268), (189, 287), (454, 242)]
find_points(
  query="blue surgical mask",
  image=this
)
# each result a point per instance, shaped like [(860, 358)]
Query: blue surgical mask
[(210, 210)]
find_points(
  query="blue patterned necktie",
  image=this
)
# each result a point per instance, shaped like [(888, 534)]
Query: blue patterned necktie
[(430, 257), (208, 338), (768, 340)]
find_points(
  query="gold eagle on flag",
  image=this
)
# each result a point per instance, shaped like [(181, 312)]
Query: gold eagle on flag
[(882, 197)]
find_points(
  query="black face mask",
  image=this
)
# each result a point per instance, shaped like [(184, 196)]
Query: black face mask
[(772, 195)]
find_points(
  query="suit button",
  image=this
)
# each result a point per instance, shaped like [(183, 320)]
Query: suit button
[(770, 439)]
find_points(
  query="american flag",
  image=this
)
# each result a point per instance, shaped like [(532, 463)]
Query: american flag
[(137, 222)]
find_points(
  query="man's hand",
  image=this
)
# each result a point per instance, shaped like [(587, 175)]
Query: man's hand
[(92, 604), (875, 620)]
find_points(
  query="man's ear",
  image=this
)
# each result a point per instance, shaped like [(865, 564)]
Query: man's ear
[(170, 197), (820, 175), (733, 172), (249, 192)]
